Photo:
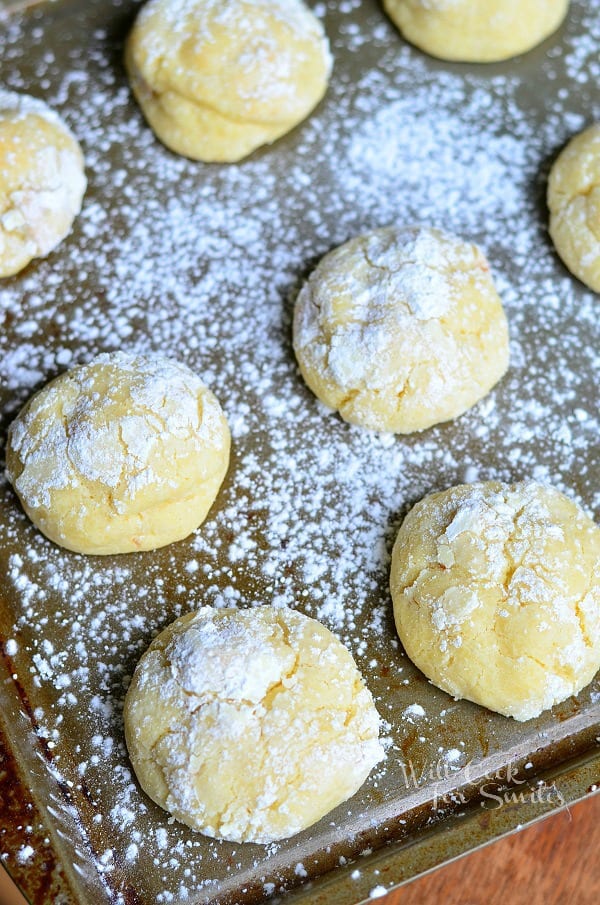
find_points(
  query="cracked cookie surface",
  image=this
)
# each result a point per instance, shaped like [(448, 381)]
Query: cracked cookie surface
[(124, 453), (42, 180), (496, 591), (574, 202), (218, 78), (249, 725), (400, 329)]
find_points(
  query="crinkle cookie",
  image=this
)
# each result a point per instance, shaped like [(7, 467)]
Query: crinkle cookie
[(42, 180), (400, 329), (218, 78), (125, 453), (477, 31), (574, 202), (249, 725), (496, 591)]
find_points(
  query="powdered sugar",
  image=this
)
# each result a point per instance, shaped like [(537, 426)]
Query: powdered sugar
[(523, 575), (401, 328), (229, 13), (224, 649), (74, 429), (18, 105), (42, 193), (256, 716), (265, 57), (421, 267), (202, 264), (37, 211)]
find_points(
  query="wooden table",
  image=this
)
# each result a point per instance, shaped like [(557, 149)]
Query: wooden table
[(554, 862)]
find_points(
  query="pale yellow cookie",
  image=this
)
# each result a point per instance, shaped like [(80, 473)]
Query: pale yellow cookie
[(249, 725), (477, 31), (218, 78), (42, 180), (574, 202), (496, 591), (400, 329), (124, 453)]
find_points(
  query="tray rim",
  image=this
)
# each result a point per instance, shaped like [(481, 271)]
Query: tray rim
[(386, 864), (394, 864)]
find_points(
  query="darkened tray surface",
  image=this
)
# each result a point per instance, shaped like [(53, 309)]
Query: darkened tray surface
[(201, 262)]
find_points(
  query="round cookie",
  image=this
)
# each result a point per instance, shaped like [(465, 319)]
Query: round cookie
[(496, 591), (574, 202), (42, 180), (218, 78), (476, 32), (125, 453), (249, 725), (401, 329)]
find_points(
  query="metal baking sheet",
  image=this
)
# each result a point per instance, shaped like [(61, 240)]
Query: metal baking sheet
[(202, 262)]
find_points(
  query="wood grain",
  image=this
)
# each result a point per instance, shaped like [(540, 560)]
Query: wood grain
[(555, 862), (9, 895)]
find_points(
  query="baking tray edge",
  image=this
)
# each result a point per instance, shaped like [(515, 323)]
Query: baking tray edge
[(439, 841)]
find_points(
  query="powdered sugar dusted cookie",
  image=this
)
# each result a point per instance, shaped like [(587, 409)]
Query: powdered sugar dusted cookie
[(574, 202), (477, 32), (218, 78), (400, 329), (496, 591), (249, 725), (124, 453), (42, 180)]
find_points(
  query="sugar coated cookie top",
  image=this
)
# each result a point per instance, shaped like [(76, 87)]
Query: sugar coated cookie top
[(478, 32), (401, 328), (574, 202), (218, 78), (124, 453), (250, 725), (496, 591), (42, 180)]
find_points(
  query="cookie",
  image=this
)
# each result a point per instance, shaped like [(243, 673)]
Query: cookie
[(124, 453), (476, 32), (400, 329), (249, 725), (574, 202), (218, 78), (42, 180), (496, 591)]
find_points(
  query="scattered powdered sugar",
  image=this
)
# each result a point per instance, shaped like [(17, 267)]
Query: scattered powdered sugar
[(17, 105), (201, 263), (24, 854), (453, 756)]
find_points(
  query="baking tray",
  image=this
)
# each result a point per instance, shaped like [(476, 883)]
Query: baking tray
[(202, 262)]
